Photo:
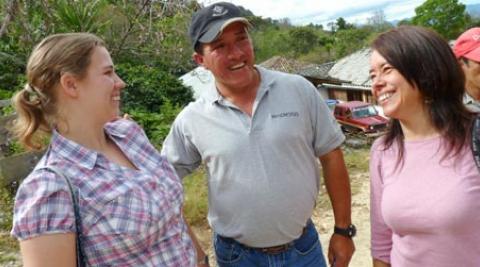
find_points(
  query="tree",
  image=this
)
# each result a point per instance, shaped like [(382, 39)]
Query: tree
[(378, 21), (149, 87), (342, 24), (447, 17), (472, 22), (302, 40), (10, 10), (404, 22), (332, 26), (348, 41), (284, 22), (269, 42)]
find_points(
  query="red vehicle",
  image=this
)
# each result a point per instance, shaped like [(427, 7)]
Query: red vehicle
[(359, 116)]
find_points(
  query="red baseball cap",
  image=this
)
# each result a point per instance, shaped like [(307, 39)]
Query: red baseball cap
[(467, 45)]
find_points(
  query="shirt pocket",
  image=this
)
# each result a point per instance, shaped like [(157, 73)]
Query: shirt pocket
[(123, 210), (120, 220), (136, 215)]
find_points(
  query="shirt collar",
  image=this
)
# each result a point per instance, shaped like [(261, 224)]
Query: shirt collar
[(266, 82), (468, 99), (76, 153)]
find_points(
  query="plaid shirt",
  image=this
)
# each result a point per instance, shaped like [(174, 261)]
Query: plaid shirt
[(129, 217)]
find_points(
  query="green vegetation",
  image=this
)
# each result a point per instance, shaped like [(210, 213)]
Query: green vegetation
[(6, 209), (150, 48), (196, 191), (310, 43), (196, 201), (156, 124), (149, 87), (447, 17), (9, 250), (357, 159)]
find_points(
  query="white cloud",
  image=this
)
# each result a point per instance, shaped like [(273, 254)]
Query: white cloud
[(302, 12)]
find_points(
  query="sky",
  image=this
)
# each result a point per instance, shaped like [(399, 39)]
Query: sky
[(302, 12)]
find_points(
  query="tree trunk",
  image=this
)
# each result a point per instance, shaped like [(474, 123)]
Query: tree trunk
[(9, 16)]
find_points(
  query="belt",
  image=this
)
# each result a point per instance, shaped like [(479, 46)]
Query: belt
[(267, 250), (275, 249)]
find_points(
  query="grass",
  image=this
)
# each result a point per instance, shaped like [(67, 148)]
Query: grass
[(357, 162), (6, 208), (8, 245), (196, 200), (8, 250), (196, 191), (357, 159)]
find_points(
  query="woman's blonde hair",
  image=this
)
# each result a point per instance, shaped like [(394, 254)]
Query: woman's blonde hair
[(35, 104)]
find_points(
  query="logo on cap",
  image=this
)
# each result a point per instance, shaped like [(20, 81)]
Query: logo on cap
[(219, 11), (476, 37)]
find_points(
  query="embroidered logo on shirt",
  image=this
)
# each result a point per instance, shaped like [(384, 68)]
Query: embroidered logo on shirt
[(285, 115)]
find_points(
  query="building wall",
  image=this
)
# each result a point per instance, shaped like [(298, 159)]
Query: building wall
[(350, 95), (323, 92)]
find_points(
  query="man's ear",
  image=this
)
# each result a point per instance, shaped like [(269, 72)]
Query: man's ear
[(198, 58), (68, 85)]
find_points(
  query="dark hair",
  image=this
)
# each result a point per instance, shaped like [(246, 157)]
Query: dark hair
[(426, 61)]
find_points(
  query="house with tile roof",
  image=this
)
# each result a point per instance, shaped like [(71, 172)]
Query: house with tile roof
[(353, 73)]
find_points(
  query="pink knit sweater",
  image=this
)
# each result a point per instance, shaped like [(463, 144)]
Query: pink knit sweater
[(427, 212)]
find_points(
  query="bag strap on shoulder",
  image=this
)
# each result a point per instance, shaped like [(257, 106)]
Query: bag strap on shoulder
[(76, 210), (476, 141)]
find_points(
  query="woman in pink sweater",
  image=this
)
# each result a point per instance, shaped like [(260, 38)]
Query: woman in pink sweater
[(425, 186)]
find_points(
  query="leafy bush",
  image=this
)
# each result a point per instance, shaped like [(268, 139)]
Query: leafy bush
[(6, 208), (156, 124), (11, 71), (148, 87)]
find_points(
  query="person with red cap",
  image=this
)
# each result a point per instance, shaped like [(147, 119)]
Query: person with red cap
[(261, 135), (467, 51)]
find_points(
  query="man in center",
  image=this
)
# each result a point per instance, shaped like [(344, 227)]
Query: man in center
[(260, 134)]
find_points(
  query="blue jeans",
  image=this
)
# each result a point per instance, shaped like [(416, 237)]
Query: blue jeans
[(306, 251)]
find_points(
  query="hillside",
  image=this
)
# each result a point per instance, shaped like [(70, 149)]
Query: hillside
[(474, 10)]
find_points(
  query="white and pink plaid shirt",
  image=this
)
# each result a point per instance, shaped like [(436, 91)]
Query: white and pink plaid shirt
[(129, 217)]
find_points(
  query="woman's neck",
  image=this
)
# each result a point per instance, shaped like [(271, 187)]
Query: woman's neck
[(89, 135), (418, 127)]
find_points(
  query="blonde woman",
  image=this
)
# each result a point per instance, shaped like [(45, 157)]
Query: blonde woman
[(129, 197)]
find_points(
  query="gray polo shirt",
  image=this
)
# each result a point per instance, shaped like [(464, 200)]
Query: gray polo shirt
[(263, 172)]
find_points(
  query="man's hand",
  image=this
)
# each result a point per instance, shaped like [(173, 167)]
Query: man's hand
[(338, 187), (203, 261), (340, 250)]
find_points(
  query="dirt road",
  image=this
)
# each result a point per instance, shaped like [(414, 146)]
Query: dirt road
[(323, 219)]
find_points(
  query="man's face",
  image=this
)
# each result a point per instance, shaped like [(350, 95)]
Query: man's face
[(230, 58), (472, 74)]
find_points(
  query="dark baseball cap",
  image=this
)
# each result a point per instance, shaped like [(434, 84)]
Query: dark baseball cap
[(208, 22)]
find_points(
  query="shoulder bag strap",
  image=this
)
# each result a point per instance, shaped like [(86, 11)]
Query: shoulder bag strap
[(476, 140), (78, 221)]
